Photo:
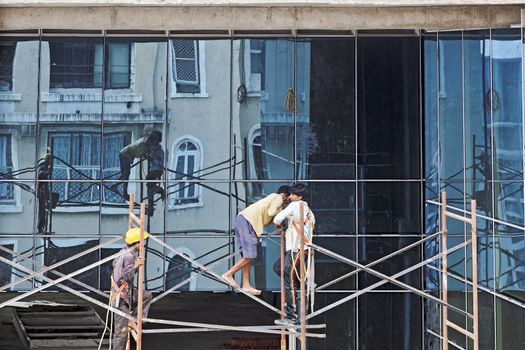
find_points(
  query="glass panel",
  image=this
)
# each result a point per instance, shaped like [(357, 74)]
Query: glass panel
[(396, 316), (509, 204), (430, 91), (199, 109), (134, 119), (263, 109), (340, 324), (334, 205), (389, 208), (388, 107), (327, 269), (18, 109), (70, 133), (58, 249), (326, 108), (17, 205), (205, 247), (510, 260), (507, 104), (509, 322), (451, 106), (9, 274), (476, 48), (371, 249)]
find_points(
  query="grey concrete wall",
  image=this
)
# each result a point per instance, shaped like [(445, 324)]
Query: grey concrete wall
[(242, 17)]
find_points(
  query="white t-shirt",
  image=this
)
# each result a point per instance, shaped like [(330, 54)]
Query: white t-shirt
[(293, 212)]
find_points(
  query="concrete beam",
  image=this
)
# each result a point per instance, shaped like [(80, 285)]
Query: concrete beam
[(257, 3), (259, 18)]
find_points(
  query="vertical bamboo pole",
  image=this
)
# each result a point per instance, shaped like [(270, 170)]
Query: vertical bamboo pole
[(474, 243), (141, 278), (302, 276), (283, 300), (444, 285), (131, 208), (130, 225)]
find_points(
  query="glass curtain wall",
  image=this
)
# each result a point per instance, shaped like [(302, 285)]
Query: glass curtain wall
[(473, 112), (373, 123)]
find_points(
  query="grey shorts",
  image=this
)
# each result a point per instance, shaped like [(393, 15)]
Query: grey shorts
[(245, 237)]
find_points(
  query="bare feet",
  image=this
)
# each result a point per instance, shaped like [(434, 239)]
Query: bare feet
[(230, 281), (251, 290)]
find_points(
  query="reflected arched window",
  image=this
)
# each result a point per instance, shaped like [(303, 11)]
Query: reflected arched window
[(257, 163), (186, 164), (179, 269)]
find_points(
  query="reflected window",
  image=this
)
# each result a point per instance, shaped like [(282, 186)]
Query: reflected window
[(7, 54), (6, 271), (7, 193), (257, 167), (77, 157), (79, 64), (186, 162), (185, 66), (257, 62)]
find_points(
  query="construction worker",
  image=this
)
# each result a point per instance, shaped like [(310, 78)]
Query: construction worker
[(249, 225), (123, 294), (137, 149), (155, 170), (43, 193), (292, 212)]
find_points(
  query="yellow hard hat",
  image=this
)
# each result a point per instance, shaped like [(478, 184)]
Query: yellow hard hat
[(133, 235)]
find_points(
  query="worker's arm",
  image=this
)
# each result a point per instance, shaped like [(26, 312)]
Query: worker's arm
[(275, 206), (128, 268), (283, 214)]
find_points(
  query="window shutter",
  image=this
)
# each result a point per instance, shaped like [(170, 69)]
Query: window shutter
[(186, 63)]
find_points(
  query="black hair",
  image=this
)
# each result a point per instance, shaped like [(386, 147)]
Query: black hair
[(155, 134), (284, 189), (299, 189)]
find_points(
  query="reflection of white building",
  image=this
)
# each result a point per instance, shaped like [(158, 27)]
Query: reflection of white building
[(91, 101)]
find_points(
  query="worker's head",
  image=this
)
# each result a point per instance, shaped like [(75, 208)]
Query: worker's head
[(133, 237), (154, 137), (298, 192), (284, 191)]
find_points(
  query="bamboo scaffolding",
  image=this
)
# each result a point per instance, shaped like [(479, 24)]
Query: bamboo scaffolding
[(446, 323), (137, 333)]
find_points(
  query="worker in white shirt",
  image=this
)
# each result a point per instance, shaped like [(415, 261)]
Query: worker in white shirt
[(292, 212)]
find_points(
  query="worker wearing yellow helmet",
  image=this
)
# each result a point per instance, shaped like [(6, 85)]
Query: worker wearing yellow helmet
[(123, 294)]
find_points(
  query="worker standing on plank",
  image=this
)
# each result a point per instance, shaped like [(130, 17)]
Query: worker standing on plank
[(249, 225), (292, 212), (123, 294)]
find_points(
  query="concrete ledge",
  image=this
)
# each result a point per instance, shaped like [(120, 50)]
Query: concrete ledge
[(258, 3), (259, 18)]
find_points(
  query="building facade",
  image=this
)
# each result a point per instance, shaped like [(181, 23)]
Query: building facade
[(375, 120)]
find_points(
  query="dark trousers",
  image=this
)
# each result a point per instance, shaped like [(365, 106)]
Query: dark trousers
[(125, 170), (153, 187), (289, 276), (120, 327)]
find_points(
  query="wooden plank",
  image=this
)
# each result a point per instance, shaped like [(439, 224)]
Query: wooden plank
[(460, 329), (29, 328), (458, 217)]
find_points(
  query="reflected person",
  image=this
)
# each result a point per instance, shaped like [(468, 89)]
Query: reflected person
[(137, 149)]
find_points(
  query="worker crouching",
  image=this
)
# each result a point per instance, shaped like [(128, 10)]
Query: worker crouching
[(124, 295)]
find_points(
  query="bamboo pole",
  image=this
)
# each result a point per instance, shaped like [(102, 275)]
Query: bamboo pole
[(475, 329), (283, 299), (444, 286), (141, 278), (302, 276)]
